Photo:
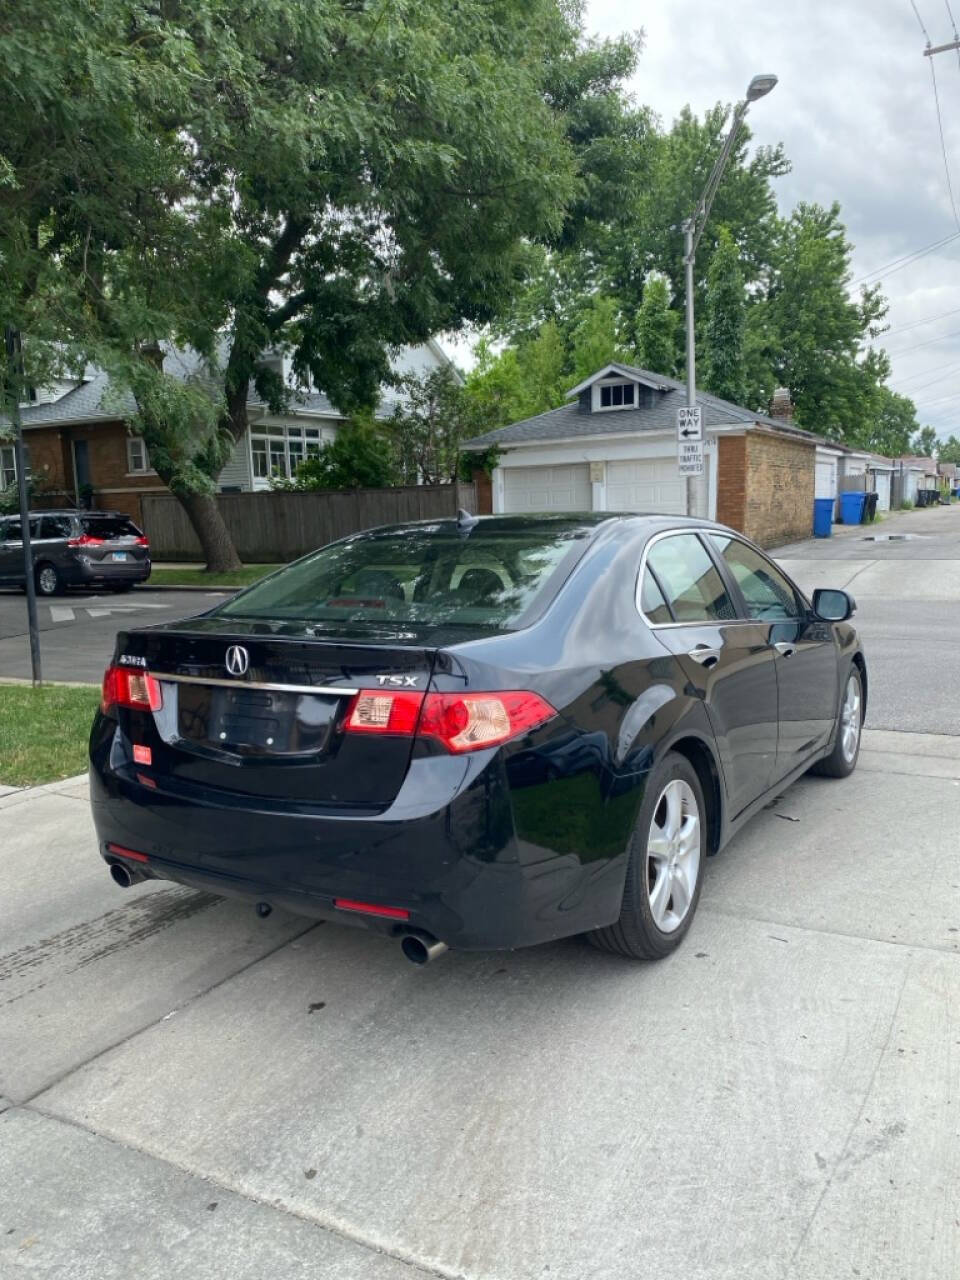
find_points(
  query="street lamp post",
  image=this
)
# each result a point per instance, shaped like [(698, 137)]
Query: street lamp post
[(758, 87)]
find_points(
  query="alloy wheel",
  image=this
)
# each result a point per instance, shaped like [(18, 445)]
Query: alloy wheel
[(47, 580), (673, 855), (850, 720)]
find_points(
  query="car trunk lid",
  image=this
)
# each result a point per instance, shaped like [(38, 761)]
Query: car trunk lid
[(263, 717)]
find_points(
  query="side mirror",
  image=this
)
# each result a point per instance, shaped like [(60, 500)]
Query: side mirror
[(832, 605)]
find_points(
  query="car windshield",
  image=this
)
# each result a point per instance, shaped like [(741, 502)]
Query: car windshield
[(493, 576)]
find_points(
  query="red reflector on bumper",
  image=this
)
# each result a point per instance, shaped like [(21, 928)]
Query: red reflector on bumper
[(142, 755), (121, 852), (371, 909)]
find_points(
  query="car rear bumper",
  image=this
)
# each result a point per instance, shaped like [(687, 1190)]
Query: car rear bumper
[(459, 869), (85, 571)]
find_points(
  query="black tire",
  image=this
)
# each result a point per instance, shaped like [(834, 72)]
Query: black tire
[(47, 579), (840, 763), (636, 934)]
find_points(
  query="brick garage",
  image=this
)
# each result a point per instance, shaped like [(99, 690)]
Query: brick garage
[(765, 485), (115, 487)]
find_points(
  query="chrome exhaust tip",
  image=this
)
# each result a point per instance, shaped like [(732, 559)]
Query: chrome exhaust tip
[(421, 948), (124, 876)]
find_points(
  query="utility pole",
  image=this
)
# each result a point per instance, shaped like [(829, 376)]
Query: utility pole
[(930, 50), (758, 87), (15, 388)]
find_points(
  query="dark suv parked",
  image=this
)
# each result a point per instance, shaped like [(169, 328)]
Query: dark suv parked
[(74, 549)]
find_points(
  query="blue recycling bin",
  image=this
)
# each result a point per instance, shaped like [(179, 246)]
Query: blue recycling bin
[(823, 517), (851, 507)]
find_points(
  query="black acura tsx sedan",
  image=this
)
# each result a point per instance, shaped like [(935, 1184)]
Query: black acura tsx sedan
[(478, 733)]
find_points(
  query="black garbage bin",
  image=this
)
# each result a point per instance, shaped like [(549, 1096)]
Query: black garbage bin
[(921, 498), (870, 510)]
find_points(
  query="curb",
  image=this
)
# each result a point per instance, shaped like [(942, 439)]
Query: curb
[(164, 586)]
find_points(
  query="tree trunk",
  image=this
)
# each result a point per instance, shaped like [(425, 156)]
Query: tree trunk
[(208, 524)]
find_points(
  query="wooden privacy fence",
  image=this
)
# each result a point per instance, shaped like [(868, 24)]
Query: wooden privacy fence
[(270, 528)]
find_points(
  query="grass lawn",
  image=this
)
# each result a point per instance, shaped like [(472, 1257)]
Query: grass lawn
[(44, 732), (197, 576)]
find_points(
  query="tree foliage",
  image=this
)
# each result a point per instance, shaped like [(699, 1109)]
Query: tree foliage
[(358, 458), (657, 327), (925, 444), (327, 179), (725, 324)]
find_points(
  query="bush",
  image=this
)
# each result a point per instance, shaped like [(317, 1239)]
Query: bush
[(359, 458)]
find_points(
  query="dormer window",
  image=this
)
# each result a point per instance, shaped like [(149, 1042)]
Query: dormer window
[(617, 395)]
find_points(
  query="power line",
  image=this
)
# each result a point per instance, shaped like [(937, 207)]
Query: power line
[(929, 343), (947, 371), (899, 263), (915, 324), (920, 20), (943, 145)]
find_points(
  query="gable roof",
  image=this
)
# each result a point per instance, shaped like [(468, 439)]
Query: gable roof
[(655, 381), (570, 423)]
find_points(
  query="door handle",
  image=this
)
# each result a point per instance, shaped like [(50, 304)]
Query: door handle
[(706, 656), (785, 649)]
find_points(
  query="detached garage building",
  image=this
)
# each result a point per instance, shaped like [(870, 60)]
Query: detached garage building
[(613, 448)]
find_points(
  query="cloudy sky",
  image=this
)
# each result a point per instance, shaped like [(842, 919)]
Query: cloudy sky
[(855, 111)]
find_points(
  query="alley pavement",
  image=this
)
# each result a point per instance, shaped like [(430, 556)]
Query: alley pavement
[(191, 1093)]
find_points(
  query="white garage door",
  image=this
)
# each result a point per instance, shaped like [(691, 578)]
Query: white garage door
[(547, 488), (649, 484), (881, 482), (826, 478)]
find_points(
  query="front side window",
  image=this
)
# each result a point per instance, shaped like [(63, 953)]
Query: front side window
[(769, 596), (427, 574), (689, 580)]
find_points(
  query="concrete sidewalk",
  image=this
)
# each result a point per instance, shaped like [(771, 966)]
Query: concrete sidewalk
[(195, 1093)]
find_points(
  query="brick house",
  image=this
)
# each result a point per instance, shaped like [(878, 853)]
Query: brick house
[(80, 450), (613, 448)]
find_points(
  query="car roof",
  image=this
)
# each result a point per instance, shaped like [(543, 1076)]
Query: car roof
[(64, 511), (633, 521)]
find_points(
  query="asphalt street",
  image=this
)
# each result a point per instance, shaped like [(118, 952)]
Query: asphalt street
[(191, 1093), (78, 629)]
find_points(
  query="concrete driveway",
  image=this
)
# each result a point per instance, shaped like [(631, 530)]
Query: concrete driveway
[(192, 1092)]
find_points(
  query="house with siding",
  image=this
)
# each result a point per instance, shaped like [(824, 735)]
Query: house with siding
[(79, 445), (613, 448)]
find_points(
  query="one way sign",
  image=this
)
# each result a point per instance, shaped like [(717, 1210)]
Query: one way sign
[(689, 425)]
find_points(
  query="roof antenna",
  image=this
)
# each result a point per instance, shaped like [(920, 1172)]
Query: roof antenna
[(465, 521)]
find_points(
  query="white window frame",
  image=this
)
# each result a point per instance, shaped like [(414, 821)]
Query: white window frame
[(597, 407), (8, 464), (311, 437), (132, 468)]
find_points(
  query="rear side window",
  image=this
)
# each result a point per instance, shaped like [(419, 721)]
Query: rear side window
[(494, 576), (689, 580), (652, 603), (56, 527), (108, 527), (768, 595)]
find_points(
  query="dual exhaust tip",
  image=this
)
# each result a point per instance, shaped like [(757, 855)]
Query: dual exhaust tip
[(419, 948)]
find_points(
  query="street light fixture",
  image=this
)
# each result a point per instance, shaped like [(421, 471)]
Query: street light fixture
[(758, 87)]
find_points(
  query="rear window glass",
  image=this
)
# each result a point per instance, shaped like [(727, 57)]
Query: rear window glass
[(55, 527), (109, 527), (493, 576)]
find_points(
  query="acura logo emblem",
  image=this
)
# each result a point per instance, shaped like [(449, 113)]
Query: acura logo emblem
[(238, 660)]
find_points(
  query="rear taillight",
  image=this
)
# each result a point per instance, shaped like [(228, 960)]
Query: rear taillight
[(85, 540), (134, 689), (142, 541), (460, 721)]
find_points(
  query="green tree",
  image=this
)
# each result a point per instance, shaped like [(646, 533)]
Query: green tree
[(949, 450), (925, 444), (358, 458), (428, 426), (894, 425), (597, 339), (818, 331), (264, 176), (657, 326), (724, 328)]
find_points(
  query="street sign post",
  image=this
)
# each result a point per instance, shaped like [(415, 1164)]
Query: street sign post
[(689, 425), (690, 458)]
